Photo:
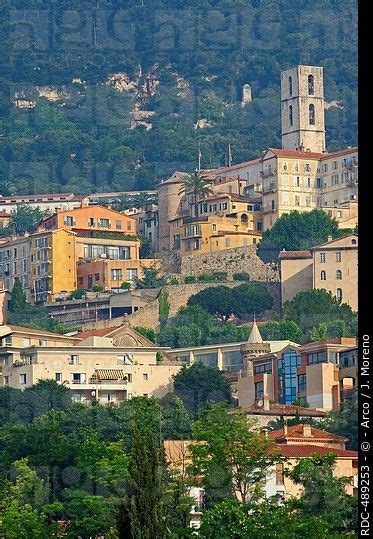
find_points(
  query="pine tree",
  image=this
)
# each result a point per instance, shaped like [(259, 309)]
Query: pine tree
[(18, 302)]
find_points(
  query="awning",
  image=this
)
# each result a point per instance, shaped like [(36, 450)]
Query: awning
[(109, 374)]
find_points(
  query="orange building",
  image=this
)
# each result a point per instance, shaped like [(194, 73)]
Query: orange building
[(92, 221)]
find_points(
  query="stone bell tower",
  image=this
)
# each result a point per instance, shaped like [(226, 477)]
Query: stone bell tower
[(302, 109)]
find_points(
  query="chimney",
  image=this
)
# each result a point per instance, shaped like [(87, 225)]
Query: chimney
[(307, 431), (266, 403), (330, 238)]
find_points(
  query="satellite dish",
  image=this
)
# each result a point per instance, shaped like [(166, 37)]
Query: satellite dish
[(260, 403)]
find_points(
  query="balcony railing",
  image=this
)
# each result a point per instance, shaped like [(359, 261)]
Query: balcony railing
[(267, 173)]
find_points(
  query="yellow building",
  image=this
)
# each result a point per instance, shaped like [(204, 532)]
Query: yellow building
[(52, 263), (332, 266), (109, 365)]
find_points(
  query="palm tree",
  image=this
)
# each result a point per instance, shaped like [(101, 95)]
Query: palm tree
[(197, 184)]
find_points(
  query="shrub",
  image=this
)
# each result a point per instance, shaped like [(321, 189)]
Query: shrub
[(241, 276), (97, 288), (79, 293), (189, 279), (174, 280), (125, 285)]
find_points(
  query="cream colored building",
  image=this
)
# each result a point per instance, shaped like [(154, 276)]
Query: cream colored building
[(15, 262), (332, 266), (110, 365)]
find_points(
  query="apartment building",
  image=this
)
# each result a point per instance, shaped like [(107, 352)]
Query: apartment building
[(147, 225), (332, 266), (45, 202), (110, 365), (309, 372), (15, 262)]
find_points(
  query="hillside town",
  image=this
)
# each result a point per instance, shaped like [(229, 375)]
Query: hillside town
[(203, 280)]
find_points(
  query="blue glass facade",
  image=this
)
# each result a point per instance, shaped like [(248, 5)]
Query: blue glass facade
[(287, 376)]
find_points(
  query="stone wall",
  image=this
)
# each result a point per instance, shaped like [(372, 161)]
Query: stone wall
[(241, 259)]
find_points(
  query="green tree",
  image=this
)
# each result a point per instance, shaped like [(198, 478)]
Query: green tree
[(147, 332), (282, 330), (323, 494), (151, 278), (163, 308), (197, 184), (217, 300), (24, 219), (297, 231), (176, 423), (18, 301), (313, 307), (146, 250), (199, 384), (231, 457), (251, 299), (344, 421)]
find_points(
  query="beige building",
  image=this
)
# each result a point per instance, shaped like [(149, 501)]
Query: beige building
[(15, 262), (332, 266), (110, 365), (50, 202)]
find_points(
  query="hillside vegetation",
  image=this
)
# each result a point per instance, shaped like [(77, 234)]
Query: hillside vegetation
[(115, 94)]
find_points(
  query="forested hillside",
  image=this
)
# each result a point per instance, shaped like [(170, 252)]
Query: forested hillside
[(116, 94)]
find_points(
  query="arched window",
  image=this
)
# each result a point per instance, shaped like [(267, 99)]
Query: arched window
[(291, 115), (323, 275), (338, 274), (353, 242), (290, 86), (311, 114), (339, 294), (310, 85)]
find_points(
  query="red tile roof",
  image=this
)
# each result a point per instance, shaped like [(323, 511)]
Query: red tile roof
[(299, 451), (340, 152), (236, 167), (95, 333), (294, 255), (295, 153), (296, 432)]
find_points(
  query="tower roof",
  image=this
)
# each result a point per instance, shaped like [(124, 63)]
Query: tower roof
[(255, 336)]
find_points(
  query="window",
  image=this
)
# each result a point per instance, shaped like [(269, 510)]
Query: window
[(58, 376), (129, 225), (145, 377), (91, 221), (338, 275), (290, 115), (74, 360), (311, 114), (26, 343), (259, 390), (6, 380), (307, 167), (42, 342), (302, 383), (323, 275), (290, 86), (97, 276), (132, 272), (308, 201), (80, 281), (338, 257), (23, 379), (297, 200), (259, 226), (316, 357), (311, 88), (116, 274), (287, 376), (333, 357), (273, 205), (335, 165), (308, 182), (318, 183), (298, 181), (118, 224), (339, 294), (263, 368), (104, 223), (325, 167), (78, 378), (69, 221), (353, 242), (322, 257)]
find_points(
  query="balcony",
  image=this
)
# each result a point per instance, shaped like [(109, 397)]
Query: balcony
[(268, 173), (269, 209)]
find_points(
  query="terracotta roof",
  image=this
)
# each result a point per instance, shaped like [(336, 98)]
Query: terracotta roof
[(295, 153), (299, 451), (95, 333), (296, 432), (294, 255), (238, 166), (340, 152), (285, 410)]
